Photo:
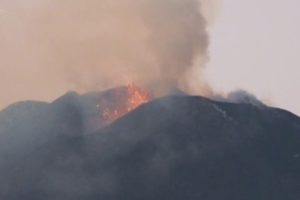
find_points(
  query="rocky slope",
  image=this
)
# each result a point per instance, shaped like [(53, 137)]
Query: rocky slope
[(176, 147)]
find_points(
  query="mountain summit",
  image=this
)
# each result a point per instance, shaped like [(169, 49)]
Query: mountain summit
[(176, 147)]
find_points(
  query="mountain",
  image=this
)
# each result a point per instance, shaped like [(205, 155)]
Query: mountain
[(176, 147)]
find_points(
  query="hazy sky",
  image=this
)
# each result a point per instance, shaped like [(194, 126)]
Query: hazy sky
[(256, 46)]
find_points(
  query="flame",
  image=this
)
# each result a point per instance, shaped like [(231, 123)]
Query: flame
[(134, 97)]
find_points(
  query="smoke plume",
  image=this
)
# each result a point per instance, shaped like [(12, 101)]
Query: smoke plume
[(240, 96), (50, 47)]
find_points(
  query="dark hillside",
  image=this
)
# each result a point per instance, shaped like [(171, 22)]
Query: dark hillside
[(177, 147)]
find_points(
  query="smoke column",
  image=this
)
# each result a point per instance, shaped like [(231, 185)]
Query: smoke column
[(50, 47)]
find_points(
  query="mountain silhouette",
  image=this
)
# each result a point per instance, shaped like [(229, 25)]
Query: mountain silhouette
[(175, 147)]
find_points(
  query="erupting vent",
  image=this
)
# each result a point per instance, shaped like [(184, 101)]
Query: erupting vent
[(120, 102)]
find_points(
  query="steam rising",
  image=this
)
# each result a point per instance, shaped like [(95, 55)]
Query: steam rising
[(49, 47)]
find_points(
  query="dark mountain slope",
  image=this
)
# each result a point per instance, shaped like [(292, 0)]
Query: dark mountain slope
[(206, 150), (177, 147)]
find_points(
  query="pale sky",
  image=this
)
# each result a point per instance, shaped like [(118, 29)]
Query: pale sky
[(255, 45)]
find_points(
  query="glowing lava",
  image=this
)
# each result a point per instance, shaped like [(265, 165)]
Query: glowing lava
[(126, 101)]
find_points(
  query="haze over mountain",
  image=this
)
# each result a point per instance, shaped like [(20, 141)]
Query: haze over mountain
[(176, 147)]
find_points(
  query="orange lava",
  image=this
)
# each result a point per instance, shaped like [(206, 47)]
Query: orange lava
[(133, 98)]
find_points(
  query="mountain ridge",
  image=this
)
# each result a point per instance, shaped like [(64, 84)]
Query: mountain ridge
[(175, 147)]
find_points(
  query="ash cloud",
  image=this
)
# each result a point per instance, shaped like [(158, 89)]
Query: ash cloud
[(240, 96), (49, 47)]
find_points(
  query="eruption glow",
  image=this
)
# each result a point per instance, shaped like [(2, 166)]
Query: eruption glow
[(133, 97)]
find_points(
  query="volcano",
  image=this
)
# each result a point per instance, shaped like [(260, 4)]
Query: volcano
[(178, 147)]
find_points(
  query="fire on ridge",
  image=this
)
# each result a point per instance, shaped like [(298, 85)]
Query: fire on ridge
[(122, 102)]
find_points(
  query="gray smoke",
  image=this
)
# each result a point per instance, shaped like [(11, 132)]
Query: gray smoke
[(239, 96), (242, 96)]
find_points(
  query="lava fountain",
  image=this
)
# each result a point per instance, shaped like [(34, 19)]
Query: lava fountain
[(119, 102)]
